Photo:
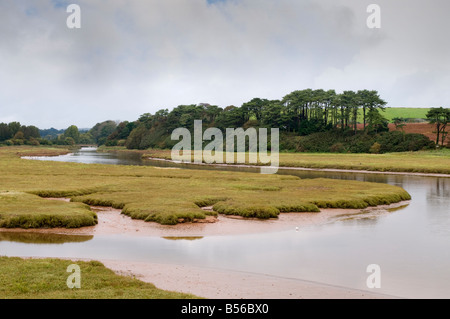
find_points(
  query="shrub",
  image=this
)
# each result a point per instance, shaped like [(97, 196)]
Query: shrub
[(375, 148), (337, 148)]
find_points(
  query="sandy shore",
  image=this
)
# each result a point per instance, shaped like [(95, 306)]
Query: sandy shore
[(223, 284)]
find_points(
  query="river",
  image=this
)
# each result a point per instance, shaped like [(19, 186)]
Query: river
[(411, 245)]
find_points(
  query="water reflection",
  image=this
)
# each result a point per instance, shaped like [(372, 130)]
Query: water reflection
[(439, 190), (42, 238), (183, 238)]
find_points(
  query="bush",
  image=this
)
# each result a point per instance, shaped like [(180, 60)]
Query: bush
[(337, 141), (337, 148), (375, 148)]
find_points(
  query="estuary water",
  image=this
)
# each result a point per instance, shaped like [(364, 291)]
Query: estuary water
[(411, 244)]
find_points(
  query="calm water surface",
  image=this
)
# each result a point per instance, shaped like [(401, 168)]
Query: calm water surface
[(410, 244)]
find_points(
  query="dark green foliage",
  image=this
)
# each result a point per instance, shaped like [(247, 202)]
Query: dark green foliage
[(347, 142), (440, 117), (101, 131), (300, 113), (19, 134)]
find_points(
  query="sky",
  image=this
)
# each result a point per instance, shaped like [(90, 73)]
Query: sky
[(132, 57)]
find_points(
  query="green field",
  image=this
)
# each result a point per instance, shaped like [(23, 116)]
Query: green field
[(402, 112), (47, 279), (166, 196)]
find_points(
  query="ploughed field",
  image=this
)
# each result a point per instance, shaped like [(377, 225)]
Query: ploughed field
[(165, 196)]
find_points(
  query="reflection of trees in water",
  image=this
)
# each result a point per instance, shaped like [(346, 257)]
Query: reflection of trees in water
[(182, 238), (42, 238), (438, 201), (439, 190), (366, 217)]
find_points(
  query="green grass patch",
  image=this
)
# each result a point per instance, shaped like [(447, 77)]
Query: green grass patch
[(46, 279), (21, 210)]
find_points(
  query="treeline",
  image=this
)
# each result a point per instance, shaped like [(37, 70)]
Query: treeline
[(301, 113), (309, 120), (95, 136), (15, 133)]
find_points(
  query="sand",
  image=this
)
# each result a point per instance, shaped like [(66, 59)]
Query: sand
[(226, 284)]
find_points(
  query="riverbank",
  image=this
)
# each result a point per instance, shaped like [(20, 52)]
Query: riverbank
[(226, 284), (422, 163), (335, 170)]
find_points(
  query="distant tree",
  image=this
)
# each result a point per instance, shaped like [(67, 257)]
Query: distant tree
[(275, 115), (102, 130), (377, 122), (371, 101), (72, 131), (19, 136), (14, 127), (5, 133), (254, 108), (30, 132), (231, 117), (69, 141), (86, 139), (440, 117), (399, 123)]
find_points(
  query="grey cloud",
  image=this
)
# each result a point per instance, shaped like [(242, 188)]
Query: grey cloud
[(132, 57)]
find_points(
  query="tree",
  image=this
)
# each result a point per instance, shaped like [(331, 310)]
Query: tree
[(14, 127), (255, 108), (5, 133), (19, 136), (231, 117), (72, 131), (399, 123), (371, 101), (377, 122), (30, 132), (440, 117), (86, 138), (102, 130)]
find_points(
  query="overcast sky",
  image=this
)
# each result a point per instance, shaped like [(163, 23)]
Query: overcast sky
[(133, 56)]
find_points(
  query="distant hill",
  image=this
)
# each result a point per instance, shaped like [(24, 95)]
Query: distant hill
[(50, 133)]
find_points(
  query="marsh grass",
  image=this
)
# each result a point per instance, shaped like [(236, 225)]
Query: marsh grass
[(169, 196), (436, 161), (46, 279), (22, 210)]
